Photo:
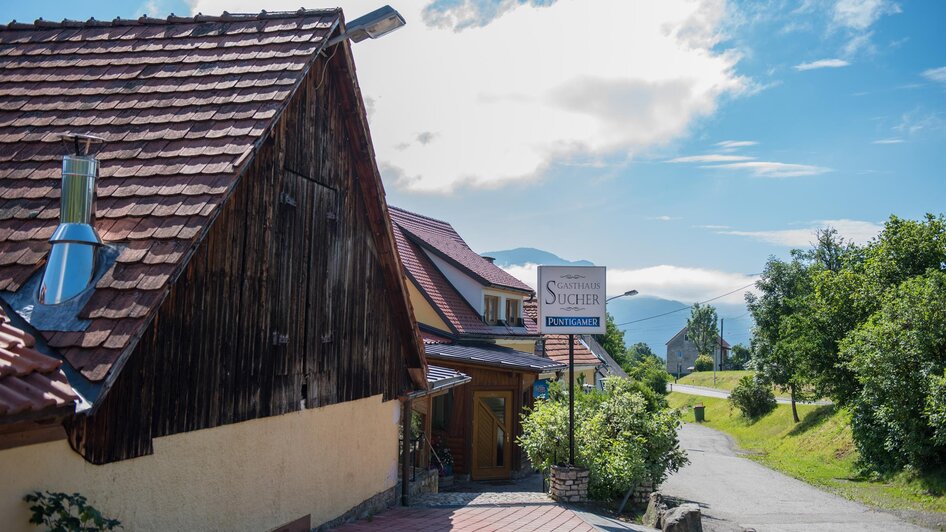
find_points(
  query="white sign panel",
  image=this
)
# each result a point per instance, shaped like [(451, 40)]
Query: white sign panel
[(572, 299)]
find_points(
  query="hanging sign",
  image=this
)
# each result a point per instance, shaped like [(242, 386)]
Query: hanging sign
[(572, 299), (540, 389)]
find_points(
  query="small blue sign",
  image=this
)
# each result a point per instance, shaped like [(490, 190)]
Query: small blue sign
[(569, 321), (540, 389)]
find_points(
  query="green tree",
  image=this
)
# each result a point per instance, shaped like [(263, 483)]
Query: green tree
[(701, 329), (739, 357), (899, 357), (851, 287), (613, 341), (640, 353), (780, 346)]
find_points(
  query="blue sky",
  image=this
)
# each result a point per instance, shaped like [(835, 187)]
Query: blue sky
[(679, 143)]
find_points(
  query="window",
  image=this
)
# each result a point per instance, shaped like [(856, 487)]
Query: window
[(491, 309), (513, 318), (442, 410), (686, 337)]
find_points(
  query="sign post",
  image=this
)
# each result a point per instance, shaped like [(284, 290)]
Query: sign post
[(572, 301)]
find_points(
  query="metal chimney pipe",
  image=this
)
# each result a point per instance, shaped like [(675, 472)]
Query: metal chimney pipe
[(75, 242)]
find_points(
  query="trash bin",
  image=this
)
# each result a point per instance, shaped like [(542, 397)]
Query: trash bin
[(698, 412)]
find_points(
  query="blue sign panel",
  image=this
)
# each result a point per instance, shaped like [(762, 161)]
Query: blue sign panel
[(540, 389), (572, 321)]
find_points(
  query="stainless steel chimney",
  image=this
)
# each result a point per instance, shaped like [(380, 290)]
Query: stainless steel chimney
[(75, 242)]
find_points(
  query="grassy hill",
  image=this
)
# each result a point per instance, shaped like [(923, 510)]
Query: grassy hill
[(820, 451), (725, 380)]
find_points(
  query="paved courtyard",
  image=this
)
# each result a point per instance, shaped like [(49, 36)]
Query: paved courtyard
[(486, 507), (523, 517)]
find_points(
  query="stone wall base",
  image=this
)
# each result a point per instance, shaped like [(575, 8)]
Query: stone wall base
[(641, 494), (569, 484), (375, 504)]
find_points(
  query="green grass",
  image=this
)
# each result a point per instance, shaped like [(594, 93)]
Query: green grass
[(818, 450), (725, 380)]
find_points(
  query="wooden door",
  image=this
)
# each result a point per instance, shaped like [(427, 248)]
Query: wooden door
[(492, 434)]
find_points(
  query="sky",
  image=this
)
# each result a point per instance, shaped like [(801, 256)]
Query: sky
[(678, 142)]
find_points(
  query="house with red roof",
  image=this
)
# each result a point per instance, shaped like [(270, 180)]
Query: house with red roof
[(472, 318), (204, 323)]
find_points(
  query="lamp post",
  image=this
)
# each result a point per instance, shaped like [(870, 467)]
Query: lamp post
[(378, 23), (628, 293)]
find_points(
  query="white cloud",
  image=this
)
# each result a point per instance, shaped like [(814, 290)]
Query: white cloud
[(822, 63), (663, 218), (935, 74), (665, 281), (856, 17), (888, 141), (857, 230), (862, 14), (511, 92), (773, 169), (712, 226), (729, 145), (710, 158)]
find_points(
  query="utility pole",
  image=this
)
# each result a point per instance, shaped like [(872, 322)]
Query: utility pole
[(715, 363), (722, 327)]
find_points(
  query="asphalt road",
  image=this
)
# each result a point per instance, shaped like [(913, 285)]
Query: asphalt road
[(723, 394), (736, 493)]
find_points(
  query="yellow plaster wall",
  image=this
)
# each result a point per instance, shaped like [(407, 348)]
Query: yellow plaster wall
[(423, 311), (588, 372), (526, 345), (254, 475)]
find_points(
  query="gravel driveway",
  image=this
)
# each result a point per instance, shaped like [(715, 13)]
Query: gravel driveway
[(736, 493)]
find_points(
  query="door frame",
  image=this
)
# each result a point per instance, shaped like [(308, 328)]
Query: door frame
[(493, 472)]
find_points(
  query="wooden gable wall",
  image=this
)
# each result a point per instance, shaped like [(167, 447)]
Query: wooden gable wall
[(283, 305)]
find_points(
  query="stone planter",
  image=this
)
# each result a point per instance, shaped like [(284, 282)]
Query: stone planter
[(569, 484)]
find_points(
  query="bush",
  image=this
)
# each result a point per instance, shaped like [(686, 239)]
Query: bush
[(753, 398), (64, 512), (620, 436), (703, 363)]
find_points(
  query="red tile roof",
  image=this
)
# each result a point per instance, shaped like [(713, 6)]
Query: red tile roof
[(182, 103), (30, 382), (441, 239), (455, 310), (556, 348)]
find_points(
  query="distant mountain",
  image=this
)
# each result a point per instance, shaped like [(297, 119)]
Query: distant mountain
[(660, 319), (522, 256)]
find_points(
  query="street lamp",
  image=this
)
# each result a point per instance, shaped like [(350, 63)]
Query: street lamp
[(628, 293), (378, 23)]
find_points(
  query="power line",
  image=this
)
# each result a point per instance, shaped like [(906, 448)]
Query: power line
[(687, 307)]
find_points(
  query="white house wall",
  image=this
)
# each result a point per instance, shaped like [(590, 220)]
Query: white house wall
[(254, 475)]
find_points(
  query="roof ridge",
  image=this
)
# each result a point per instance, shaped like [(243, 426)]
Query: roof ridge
[(412, 213), (171, 19)]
